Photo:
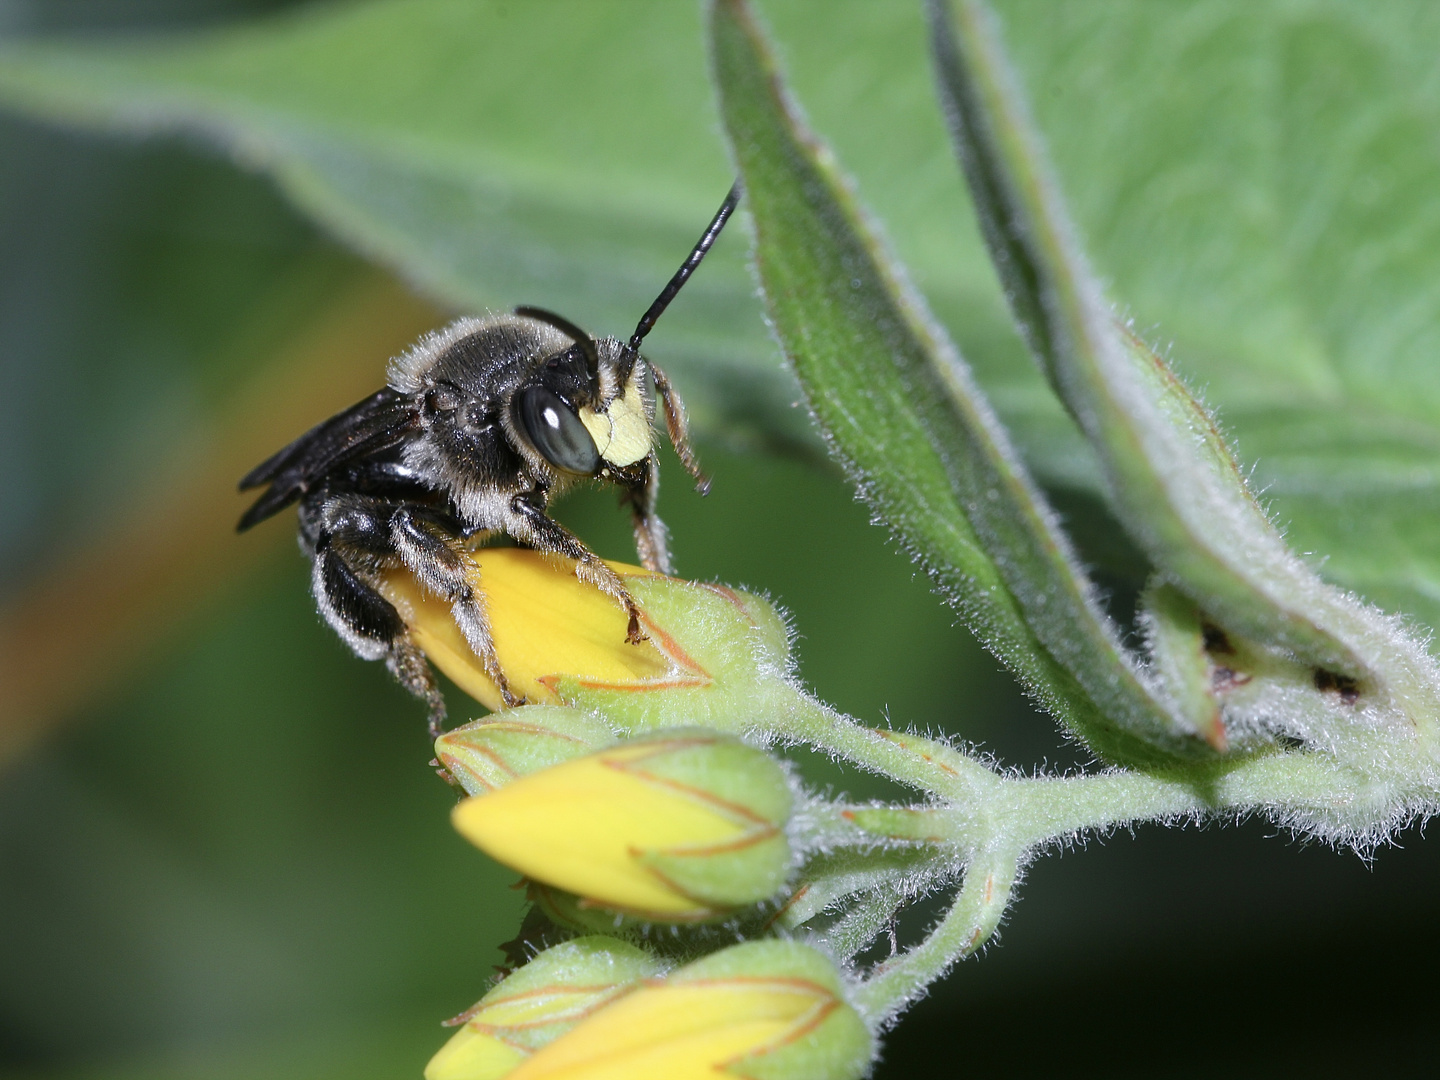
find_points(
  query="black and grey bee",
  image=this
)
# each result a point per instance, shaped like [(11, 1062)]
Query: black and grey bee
[(481, 425)]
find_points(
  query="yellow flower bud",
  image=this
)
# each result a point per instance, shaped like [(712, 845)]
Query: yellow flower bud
[(562, 641), (680, 827), (546, 624), (474, 1054), (771, 1008), (547, 997)]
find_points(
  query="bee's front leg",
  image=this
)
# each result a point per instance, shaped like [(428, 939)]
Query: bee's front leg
[(530, 524), (640, 484)]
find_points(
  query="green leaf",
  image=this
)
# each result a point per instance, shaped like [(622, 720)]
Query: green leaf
[(1258, 182), (1255, 181), (901, 410), (482, 181), (1170, 475), (1361, 488)]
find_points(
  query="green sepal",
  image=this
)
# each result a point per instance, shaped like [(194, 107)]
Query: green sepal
[(745, 784), (603, 966), (770, 632), (729, 651), (755, 869), (838, 1046), (732, 780), (532, 1007), (719, 767), (487, 754)]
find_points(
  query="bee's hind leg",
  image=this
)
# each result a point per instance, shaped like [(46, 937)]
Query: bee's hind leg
[(412, 671), (370, 625), (352, 539)]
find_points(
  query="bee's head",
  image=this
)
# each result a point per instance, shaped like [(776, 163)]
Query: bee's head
[(589, 408)]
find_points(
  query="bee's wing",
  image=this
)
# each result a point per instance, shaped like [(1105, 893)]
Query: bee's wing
[(380, 421)]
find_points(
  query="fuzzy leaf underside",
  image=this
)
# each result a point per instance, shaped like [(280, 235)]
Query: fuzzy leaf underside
[(1170, 476), (900, 408)]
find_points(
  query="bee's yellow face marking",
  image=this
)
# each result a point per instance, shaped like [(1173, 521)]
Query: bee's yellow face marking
[(622, 434)]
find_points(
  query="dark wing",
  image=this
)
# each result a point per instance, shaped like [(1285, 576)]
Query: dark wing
[(380, 421)]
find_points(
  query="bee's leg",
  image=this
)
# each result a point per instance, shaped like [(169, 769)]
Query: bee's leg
[(361, 616), (436, 559), (678, 428), (530, 525), (651, 536), (412, 671), (364, 619)]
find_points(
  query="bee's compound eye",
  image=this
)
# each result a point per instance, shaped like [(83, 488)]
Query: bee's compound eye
[(557, 432)]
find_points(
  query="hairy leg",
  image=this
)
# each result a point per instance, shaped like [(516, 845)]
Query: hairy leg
[(442, 566), (678, 428), (651, 536), (347, 555), (530, 525)]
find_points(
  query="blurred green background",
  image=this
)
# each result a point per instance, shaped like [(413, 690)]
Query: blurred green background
[(221, 851)]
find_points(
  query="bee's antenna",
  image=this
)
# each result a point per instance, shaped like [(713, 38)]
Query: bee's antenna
[(675, 423), (647, 321)]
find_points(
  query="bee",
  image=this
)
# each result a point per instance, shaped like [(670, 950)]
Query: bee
[(481, 424)]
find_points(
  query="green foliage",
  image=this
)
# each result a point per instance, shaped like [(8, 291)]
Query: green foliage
[(487, 153), (1256, 183), (901, 409)]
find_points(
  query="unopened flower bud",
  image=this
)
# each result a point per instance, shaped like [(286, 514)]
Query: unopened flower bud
[(560, 640), (547, 997), (679, 827), (488, 754), (771, 1009), (546, 624)]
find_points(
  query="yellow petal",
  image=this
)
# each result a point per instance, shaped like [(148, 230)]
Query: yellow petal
[(687, 1031), (474, 1055), (580, 825), (545, 622)]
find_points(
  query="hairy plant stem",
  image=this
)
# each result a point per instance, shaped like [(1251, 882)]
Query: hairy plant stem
[(966, 926), (989, 825), (924, 764)]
